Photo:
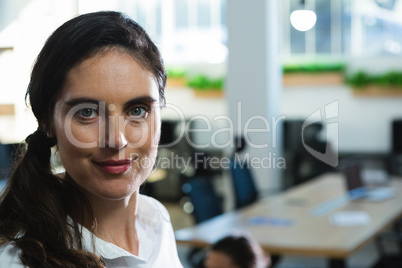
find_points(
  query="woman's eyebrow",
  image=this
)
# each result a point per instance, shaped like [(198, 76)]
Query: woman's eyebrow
[(144, 100), (76, 101)]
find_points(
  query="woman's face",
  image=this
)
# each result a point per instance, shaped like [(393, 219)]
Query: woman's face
[(107, 124)]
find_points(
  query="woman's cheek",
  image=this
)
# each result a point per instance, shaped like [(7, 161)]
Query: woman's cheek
[(138, 135), (155, 135), (83, 136)]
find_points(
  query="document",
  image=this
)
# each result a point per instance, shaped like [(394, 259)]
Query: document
[(350, 218)]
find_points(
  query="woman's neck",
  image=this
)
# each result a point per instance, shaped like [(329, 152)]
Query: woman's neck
[(115, 221)]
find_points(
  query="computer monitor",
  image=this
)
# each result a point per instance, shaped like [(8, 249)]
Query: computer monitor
[(353, 179), (168, 132), (397, 136)]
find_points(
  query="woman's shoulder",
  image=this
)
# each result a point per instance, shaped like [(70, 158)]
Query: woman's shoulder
[(9, 256)]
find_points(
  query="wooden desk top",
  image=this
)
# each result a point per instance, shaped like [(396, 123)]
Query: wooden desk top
[(307, 235)]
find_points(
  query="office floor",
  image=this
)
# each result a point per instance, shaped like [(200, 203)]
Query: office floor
[(365, 258)]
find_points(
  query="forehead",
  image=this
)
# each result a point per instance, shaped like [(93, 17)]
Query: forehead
[(108, 75)]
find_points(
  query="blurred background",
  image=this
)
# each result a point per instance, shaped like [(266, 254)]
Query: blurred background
[(230, 65)]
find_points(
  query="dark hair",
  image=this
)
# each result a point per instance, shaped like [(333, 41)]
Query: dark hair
[(40, 211), (244, 252), (79, 39)]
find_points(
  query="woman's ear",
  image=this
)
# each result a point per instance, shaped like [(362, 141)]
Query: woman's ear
[(45, 129), (50, 133), (48, 127)]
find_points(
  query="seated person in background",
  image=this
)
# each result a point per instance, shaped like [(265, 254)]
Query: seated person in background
[(236, 251)]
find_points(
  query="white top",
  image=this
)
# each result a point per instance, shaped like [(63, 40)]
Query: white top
[(157, 247)]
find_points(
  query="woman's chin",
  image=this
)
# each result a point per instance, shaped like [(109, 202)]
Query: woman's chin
[(115, 192)]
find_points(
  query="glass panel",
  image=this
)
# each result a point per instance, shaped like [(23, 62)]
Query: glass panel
[(323, 27), (223, 11), (141, 15), (181, 11), (298, 41), (204, 13), (346, 28), (297, 38), (158, 22)]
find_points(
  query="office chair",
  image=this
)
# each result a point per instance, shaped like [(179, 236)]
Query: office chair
[(203, 197), (7, 155), (395, 234), (206, 205), (395, 157), (244, 186), (389, 260)]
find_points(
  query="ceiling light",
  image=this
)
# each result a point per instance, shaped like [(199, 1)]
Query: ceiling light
[(303, 19)]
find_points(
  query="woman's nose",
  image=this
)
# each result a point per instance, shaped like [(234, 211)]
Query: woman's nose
[(116, 135), (120, 140)]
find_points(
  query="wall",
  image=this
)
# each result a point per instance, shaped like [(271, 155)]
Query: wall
[(364, 123)]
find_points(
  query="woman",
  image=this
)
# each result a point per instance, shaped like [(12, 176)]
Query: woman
[(236, 251), (96, 89)]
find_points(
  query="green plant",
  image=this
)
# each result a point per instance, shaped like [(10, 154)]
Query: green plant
[(362, 79), (202, 82), (314, 67), (176, 72), (359, 80)]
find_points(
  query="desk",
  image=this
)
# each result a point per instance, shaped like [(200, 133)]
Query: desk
[(308, 235)]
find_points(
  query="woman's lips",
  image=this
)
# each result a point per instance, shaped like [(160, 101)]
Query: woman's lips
[(115, 167)]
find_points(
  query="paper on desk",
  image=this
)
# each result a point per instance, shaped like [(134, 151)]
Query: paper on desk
[(350, 218), (273, 221)]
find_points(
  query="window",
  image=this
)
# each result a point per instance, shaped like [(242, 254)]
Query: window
[(194, 31), (357, 28), (186, 31)]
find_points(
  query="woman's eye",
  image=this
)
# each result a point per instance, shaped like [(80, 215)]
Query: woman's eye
[(139, 112), (87, 113)]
